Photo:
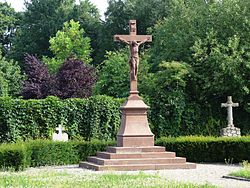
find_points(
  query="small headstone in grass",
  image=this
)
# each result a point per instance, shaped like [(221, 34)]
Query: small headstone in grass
[(60, 136), (230, 130)]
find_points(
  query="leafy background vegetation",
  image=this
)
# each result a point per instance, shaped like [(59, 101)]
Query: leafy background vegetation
[(200, 54)]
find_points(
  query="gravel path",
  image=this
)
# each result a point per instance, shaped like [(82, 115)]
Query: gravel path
[(204, 173)]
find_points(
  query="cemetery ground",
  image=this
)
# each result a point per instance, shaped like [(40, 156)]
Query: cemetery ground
[(206, 176)]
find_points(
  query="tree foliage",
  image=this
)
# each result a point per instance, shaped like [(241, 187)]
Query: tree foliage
[(168, 97), (213, 38), (10, 77), (229, 65), (41, 20), (38, 82), (87, 14), (8, 20), (114, 74), (68, 42), (75, 79), (190, 20)]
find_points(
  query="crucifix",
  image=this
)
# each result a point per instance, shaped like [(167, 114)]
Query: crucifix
[(230, 106), (134, 41), (134, 130)]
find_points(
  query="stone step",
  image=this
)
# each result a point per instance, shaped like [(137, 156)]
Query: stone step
[(107, 155), (101, 161), (135, 149), (93, 166)]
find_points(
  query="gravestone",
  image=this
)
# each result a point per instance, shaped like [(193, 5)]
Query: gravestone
[(60, 136), (230, 130), (135, 142)]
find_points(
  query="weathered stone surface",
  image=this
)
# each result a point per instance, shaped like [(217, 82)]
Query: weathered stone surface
[(136, 158), (137, 167), (230, 131), (229, 106)]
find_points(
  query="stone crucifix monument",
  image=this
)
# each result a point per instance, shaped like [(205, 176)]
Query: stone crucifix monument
[(230, 130), (134, 130), (135, 148)]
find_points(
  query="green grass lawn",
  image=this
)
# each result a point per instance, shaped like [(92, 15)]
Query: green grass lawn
[(88, 180)]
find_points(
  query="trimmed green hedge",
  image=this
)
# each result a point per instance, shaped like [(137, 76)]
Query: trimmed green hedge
[(96, 117), (13, 156), (208, 149), (196, 149), (45, 152)]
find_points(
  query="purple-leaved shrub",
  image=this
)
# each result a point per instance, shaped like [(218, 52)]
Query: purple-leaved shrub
[(73, 80), (36, 86)]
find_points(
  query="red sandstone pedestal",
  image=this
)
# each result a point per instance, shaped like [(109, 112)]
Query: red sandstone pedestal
[(135, 145), (134, 130)]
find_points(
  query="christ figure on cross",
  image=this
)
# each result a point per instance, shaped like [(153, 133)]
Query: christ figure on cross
[(134, 41), (134, 55)]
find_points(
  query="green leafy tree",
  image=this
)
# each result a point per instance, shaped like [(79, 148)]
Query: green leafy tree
[(68, 42), (190, 20), (87, 14), (168, 98), (119, 12), (114, 74), (8, 20), (41, 20), (221, 70), (10, 77), (213, 38)]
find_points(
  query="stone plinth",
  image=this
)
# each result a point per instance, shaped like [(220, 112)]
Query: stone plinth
[(230, 131), (136, 158), (134, 130)]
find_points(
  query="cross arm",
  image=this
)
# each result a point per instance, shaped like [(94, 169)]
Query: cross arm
[(235, 104), (130, 38), (229, 104), (224, 105)]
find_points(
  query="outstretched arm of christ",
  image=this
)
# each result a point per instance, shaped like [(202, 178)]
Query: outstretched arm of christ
[(122, 40), (145, 40)]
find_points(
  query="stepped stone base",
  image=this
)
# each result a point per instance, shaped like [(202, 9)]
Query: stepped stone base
[(136, 158), (230, 131)]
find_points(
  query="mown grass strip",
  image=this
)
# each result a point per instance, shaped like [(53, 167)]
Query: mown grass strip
[(88, 180)]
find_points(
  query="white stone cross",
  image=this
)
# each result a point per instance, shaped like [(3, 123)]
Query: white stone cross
[(60, 136), (230, 106)]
